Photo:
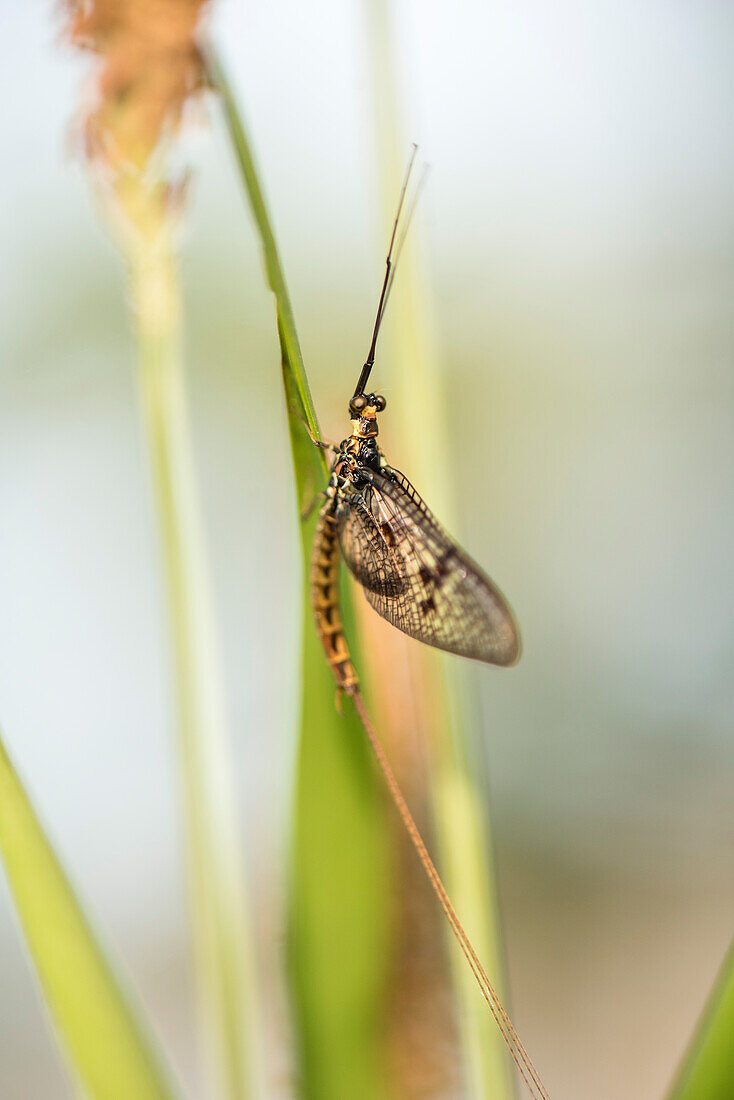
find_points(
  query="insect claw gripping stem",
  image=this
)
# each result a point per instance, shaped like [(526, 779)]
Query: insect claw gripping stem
[(323, 444)]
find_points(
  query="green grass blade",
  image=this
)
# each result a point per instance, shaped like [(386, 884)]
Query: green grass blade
[(339, 942), (106, 1044), (707, 1072), (300, 400), (216, 865), (339, 881)]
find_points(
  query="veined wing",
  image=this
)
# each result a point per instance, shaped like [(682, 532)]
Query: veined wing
[(419, 579), (367, 548)]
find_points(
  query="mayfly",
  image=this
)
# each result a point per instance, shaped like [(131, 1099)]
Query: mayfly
[(415, 576)]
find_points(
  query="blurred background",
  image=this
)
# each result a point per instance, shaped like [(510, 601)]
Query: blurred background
[(577, 237)]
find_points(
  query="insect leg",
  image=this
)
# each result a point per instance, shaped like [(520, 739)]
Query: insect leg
[(307, 509), (322, 443)]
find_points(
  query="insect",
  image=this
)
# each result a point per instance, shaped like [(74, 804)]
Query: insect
[(417, 577), (411, 571)]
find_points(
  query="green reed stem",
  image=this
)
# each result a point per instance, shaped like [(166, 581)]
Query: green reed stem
[(300, 401), (338, 936), (224, 968)]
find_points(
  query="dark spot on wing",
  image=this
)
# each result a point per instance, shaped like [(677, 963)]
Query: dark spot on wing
[(443, 565), (388, 534)]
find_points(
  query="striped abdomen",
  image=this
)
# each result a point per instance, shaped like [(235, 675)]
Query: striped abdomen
[(325, 599)]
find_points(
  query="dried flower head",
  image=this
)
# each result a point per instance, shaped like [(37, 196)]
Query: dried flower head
[(150, 69)]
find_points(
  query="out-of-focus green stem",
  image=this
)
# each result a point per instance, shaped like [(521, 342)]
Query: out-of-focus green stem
[(707, 1072), (225, 972), (111, 1054), (418, 398), (466, 850)]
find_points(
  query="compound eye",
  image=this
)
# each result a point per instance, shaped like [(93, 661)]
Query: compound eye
[(358, 404), (379, 402)]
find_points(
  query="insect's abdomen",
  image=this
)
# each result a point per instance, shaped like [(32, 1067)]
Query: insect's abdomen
[(325, 600)]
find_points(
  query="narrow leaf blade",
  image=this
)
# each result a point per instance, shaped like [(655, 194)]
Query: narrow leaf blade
[(707, 1072), (339, 877), (105, 1042)]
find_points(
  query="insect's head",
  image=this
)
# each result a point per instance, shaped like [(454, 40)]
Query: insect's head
[(363, 410)]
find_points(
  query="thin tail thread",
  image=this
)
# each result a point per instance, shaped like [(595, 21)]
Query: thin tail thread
[(520, 1056)]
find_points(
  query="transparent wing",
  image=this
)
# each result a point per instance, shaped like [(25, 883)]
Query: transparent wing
[(416, 576), (367, 549)]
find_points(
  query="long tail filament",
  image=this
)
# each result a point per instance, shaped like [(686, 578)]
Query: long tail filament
[(520, 1056)]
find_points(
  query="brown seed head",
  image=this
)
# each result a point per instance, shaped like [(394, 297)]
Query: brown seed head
[(150, 69)]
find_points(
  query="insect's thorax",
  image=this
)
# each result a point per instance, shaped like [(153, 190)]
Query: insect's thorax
[(355, 454)]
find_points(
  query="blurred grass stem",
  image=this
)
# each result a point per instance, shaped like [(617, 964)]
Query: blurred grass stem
[(462, 821), (225, 972)]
